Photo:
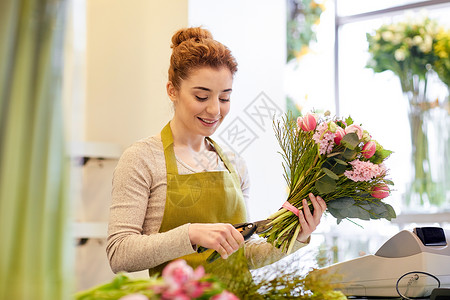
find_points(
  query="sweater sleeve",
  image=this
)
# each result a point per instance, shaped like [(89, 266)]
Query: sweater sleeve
[(131, 244)]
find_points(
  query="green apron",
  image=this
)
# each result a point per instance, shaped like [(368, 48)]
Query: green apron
[(204, 197)]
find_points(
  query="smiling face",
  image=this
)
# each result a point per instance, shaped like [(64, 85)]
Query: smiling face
[(202, 101)]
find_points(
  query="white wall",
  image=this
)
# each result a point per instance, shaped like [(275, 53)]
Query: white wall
[(255, 31), (128, 50)]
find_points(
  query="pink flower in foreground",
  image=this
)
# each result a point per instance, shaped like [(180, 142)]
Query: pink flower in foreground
[(176, 295), (225, 295), (364, 170), (181, 282), (380, 191), (369, 149), (177, 273), (195, 289), (356, 129), (338, 135), (307, 123)]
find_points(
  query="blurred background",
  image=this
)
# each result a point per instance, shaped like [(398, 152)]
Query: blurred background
[(298, 55)]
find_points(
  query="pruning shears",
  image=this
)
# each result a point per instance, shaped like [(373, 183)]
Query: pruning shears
[(247, 230)]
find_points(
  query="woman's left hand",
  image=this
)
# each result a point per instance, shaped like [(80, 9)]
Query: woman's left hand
[(309, 221)]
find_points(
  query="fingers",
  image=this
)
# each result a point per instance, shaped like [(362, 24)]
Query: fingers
[(319, 207), (223, 238), (309, 221), (229, 240)]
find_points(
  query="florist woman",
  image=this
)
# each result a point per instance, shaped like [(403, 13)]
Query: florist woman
[(177, 190)]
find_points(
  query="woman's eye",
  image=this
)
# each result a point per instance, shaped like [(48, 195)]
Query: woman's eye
[(201, 98), (225, 100)]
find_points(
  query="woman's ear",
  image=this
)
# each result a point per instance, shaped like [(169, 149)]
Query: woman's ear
[(171, 91)]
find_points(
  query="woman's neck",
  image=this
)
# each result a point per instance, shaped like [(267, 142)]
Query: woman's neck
[(184, 139), (193, 150)]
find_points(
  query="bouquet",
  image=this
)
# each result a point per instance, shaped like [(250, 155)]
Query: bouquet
[(335, 159), (405, 48)]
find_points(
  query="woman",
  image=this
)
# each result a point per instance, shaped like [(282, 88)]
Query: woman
[(176, 191)]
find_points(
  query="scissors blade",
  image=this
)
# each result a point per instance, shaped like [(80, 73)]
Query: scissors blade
[(263, 226)]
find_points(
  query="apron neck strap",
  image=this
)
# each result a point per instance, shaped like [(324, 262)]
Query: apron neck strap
[(169, 153), (222, 156)]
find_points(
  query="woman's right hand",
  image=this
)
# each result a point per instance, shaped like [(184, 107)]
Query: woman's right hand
[(223, 238)]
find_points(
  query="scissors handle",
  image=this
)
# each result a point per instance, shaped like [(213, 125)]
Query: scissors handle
[(246, 229)]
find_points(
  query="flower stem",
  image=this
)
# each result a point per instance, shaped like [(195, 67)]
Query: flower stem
[(294, 237)]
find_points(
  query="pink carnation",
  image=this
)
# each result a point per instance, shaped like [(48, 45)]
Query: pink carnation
[(324, 138), (225, 295), (177, 273), (364, 170)]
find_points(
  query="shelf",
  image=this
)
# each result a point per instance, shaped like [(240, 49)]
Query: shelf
[(95, 150), (87, 230)]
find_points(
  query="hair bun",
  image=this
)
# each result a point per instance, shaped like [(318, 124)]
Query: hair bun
[(191, 33)]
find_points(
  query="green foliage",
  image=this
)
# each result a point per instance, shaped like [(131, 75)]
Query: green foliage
[(325, 185), (120, 286), (346, 207), (350, 141), (380, 155), (348, 121)]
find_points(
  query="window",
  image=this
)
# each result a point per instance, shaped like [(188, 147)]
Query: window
[(375, 100)]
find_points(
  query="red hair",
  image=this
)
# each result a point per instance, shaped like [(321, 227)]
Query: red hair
[(195, 47)]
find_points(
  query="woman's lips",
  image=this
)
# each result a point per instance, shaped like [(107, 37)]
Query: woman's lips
[(207, 122)]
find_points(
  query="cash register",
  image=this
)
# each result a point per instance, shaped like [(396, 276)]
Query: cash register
[(413, 263)]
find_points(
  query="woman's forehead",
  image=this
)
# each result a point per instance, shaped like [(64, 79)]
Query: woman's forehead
[(211, 78)]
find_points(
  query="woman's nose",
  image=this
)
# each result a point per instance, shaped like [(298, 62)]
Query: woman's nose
[(213, 107)]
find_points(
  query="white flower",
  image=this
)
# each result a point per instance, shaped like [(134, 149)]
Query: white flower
[(377, 36), (400, 54), (398, 37), (427, 45), (417, 40), (408, 41), (387, 36), (372, 63)]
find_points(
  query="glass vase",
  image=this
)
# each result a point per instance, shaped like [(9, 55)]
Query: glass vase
[(429, 120)]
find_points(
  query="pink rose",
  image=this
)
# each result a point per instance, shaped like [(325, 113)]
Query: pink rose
[(199, 273), (338, 135), (195, 289), (177, 273), (176, 295), (380, 191), (225, 295), (369, 149), (307, 123), (356, 129)]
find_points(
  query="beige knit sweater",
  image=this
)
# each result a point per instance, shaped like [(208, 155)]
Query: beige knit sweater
[(138, 199)]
